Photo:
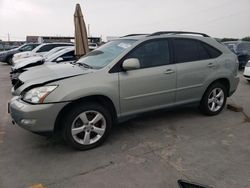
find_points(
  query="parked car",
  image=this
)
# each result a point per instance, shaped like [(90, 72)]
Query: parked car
[(63, 55), (241, 49), (39, 50), (6, 56), (54, 50), (92, 46), (246, 73), (123, 78)]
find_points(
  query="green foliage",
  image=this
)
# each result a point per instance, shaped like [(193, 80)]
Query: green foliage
[(228, 39), (246, 39)]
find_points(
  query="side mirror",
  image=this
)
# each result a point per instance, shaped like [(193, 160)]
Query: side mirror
[(131, 64), (59, 59)]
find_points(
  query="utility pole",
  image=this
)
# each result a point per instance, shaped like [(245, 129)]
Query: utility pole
[(8, 37), (89, 30)]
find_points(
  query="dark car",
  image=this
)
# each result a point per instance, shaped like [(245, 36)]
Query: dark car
[(6, 56), (241, 49)]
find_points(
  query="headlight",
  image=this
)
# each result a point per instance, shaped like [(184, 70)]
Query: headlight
[(37, 95), (248, 64)]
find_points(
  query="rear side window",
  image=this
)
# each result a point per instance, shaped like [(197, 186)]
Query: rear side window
[(152, 53), (46, 48), (188, 50), (49, 47), (213, 53)]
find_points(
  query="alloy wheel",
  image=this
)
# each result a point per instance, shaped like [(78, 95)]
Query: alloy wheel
[(216, 99), (88, 127)]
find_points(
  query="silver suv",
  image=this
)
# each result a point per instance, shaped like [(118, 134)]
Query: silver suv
[(124, 77)]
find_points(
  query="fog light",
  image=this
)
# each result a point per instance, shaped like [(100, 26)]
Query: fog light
[(28, 121)]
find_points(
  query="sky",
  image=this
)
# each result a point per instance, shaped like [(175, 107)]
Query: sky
[(217, 18)]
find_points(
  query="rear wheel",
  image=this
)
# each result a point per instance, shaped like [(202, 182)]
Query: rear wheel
[(86, 126), (214, 99)]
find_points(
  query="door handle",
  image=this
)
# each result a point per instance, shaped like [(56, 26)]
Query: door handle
[(211, 65), (169, 71)]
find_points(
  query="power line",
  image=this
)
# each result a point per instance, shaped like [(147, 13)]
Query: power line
[(220, 18)]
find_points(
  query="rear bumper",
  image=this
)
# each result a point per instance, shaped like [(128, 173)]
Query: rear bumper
[(37, 118)]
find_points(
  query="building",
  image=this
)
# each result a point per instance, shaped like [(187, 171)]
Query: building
[(48, 39), (41, 39)]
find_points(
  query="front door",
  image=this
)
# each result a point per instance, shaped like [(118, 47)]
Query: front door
[(153, 85)]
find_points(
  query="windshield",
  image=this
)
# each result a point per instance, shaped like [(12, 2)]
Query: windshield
[(54, 50), (55, 55), (231, 46), (105, 54), (37, 48)]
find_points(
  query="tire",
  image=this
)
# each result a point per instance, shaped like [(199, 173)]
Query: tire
[(211, 105), (9, 60), (85, 135)]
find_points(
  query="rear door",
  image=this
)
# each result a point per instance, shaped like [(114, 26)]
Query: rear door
[(194, 65), (153, 85)]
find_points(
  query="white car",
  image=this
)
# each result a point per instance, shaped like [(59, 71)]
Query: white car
[(44, 56), (39, 50), (247, 71), (66, 54)]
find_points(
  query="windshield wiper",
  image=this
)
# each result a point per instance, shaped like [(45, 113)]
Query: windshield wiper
[(83, 65)]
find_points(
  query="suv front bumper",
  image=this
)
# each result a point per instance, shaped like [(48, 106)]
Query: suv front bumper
[(38, 118)]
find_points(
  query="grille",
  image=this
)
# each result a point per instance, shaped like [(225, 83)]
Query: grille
[(18, 83)]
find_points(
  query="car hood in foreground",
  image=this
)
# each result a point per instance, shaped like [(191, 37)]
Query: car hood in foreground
[(44, 74)]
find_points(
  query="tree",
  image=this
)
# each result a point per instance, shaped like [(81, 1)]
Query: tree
[(246, 39), (228, 39)]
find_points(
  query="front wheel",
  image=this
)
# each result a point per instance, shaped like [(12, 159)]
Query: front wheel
[(9, 60), (86, 126), (214, 99)]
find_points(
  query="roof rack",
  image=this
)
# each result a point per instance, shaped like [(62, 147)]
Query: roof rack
[(131, 35), (177, 32)]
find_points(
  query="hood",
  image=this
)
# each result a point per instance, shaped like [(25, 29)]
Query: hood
[(27, 62), (50, 73), (23, 55), (12, 51), (20, 54)]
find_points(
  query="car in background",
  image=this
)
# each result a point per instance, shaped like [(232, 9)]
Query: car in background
[(241, 49), (67, 54), (246, 73), (6, 56), (92, 46), (54, 50), (123, 78), (39, 50)]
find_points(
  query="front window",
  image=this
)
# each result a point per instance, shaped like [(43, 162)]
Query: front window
[(102, 56), (26, 48)]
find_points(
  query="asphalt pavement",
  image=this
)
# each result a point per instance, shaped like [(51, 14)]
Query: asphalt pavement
[(152, 151)]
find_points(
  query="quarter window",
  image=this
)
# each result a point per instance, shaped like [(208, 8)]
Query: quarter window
[(187, 50), (152, 53), (213, 53)]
